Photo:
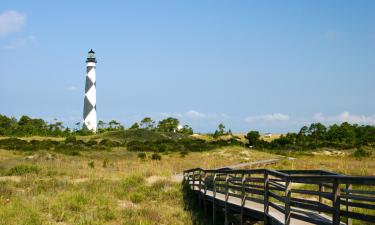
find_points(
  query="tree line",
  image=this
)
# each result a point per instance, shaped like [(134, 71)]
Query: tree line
[(26, 126), (317, 135)]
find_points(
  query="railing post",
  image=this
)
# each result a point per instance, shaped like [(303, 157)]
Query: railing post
[(226, 198), (321, 190), (348, 208), (336, 202), (205, 194), (243, 196), (200, 196), (287, 200), (188, 179), (213, 201), (265, 197)]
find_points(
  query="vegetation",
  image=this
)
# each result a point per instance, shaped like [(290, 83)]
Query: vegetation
[(344, 136), (132, 176)]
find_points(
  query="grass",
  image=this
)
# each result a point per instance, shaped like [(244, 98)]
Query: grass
[(102, 187), (121, 187)]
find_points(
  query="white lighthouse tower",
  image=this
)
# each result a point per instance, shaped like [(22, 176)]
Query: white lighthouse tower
[(89, 109)]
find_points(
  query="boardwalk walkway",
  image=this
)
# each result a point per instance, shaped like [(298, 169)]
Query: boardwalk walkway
[(284, 197)]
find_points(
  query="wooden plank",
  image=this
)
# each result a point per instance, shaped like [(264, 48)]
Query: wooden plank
[(287, 198), (336, 203), (358, 204), (266, 198), (358, 197), (359, 216)]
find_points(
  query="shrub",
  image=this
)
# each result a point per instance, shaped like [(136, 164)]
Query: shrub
[(91, 143), (105, 162), (71, 139), (22, 169), (142, 155), (137, 197), (360, 152), (91, 164), (183, 153), (156, 156), (109, 143), (133, 181)]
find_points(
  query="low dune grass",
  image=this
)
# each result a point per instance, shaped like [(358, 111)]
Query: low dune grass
[(120, 187)]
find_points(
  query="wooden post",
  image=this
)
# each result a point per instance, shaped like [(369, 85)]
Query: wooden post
[(321, 190), (205, 194), (226, 199), (287, 201), (200, 188), (213, 201), (243, 196), (336, 203), (348, 208), (188, 179), (265, 197)]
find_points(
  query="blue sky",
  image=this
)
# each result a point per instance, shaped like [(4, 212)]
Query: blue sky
[(271, 66)]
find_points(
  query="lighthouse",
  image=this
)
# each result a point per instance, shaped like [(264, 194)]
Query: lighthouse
[(89, 108)]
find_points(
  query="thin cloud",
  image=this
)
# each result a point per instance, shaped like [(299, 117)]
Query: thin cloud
[(20, 42), (345, 117), (72, 88), (11, 21), (193, 114), (267, 118)]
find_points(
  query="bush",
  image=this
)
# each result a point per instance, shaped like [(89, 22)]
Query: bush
[(360, 152), (71, 139), (91, 143), (105, 163), (156, 156), (91, 164), (142, 155), (183, 154), (22, 169)]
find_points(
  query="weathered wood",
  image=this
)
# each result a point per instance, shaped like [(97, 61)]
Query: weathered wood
[(348, 208), (288, 195), (243, 198), (336, 203), (213, 202), (233, 190), (266, 198), (226, 222)]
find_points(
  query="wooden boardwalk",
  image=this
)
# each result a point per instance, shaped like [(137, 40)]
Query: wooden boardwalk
[(284, 197)]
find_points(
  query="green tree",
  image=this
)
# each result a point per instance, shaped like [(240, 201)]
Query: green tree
[(252, 137), (101, 126), (147, 123), (317, 131), (114, 125), (219, 131), (134, 126), (186, 129), (168, 125)]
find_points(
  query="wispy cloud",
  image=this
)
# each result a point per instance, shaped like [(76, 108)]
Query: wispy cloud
[(72, 88), (11, 21), (193, 114), (345, 117), (20, 42), (267, 118)]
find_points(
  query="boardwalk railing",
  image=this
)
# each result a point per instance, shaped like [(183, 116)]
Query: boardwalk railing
[(285, 196)]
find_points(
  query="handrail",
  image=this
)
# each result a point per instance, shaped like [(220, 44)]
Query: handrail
[(342, 196)]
